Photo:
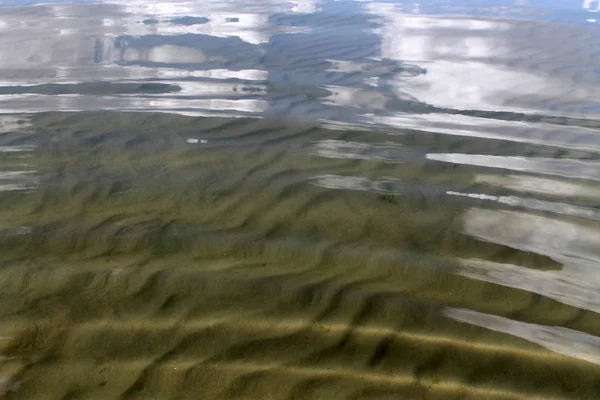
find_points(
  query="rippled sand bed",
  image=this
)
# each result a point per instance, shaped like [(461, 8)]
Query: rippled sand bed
[(161, 257)]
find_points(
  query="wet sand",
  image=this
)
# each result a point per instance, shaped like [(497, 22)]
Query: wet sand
[(169, 257)]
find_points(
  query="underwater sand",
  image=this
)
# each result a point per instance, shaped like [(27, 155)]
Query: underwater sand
[(140, 265)]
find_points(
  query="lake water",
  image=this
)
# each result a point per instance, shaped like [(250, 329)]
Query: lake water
[(312, 199)]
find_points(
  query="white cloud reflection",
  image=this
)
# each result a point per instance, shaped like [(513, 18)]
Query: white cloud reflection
[(471, 63), (15, 156), (546, 134), (379, 185), (73, 43), (40, 103), (542, 185), (568, 342), (567, 168), (573, 243), (568, 287), (591, 5), (385, 152), (11, 181), (535, 204), (478, 64)]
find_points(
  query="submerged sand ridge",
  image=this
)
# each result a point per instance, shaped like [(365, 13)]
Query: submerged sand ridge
[(281, 260)]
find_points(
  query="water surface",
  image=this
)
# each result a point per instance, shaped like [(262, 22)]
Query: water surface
[(300, 200)]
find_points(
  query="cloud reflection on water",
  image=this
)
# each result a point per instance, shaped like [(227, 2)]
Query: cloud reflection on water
[(455, 62), (562, 340)]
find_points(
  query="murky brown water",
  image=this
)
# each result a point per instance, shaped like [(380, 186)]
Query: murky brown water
[(303, 200)]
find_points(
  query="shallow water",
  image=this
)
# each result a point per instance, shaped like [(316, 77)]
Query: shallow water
[(300, 200)]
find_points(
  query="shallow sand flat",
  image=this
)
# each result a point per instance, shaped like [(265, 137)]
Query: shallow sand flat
[(285, 261), (186, 332)]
